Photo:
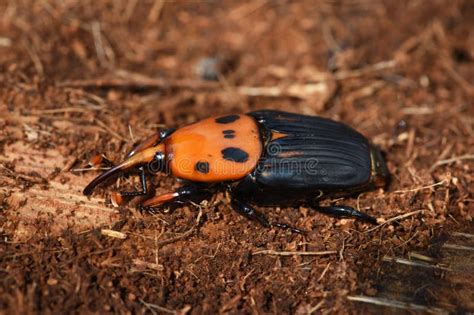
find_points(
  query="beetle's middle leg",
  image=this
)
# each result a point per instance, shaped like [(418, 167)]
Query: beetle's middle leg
[(249, 212), (243, 208)]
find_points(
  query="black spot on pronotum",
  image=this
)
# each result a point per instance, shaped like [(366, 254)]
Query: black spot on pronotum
[(229, 134), (202, 167), (227, 119), (235, 155)]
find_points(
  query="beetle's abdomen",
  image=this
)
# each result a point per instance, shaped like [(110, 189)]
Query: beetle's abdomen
[(215, 149), (307, 152)]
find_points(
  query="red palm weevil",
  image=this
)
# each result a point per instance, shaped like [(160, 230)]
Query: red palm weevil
[(267, 157)]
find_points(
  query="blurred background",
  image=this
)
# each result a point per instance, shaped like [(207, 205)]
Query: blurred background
[(79, 78)]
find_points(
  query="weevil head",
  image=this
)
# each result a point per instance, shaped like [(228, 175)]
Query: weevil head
[(152, 160)]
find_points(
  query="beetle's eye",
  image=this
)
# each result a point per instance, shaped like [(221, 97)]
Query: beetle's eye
[(157, 165)]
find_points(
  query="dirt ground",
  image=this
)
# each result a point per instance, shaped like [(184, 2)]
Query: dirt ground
[(79, 78)]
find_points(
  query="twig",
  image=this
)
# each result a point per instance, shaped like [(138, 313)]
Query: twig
[(69, 164), (301, 91), (293, 90), (132, 136), (129, 9), (420, 188), (462, 82), (89, 254), (107, 128), (141, 265), (230, 304), (408, 240), (324, 272), (451, 160), (398, 217), (294, 253), (151, 306), (58, 110), (99, 46), (143, 83), (365, 91), (328, 37), (316, 307), (417, 110), (407, 262), (463, 234), (247, 9), (341, 252), (396, 304), (87, 169), (419, 256), (176, 238), (342, 75), (157, 237), (459, 247), (185, 234), (31, 50), (114, 234), (156, 10), (5, 41)]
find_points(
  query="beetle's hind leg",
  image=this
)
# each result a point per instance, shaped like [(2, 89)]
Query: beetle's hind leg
[(346, 211)]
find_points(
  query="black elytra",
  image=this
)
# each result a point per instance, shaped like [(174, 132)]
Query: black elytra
[(316, 154)]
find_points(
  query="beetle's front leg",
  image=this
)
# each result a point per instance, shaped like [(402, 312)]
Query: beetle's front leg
[(184, 192), (99, 160), (141, 192), (346, 211)]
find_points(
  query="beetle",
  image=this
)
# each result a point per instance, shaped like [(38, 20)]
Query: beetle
[(265, 157)]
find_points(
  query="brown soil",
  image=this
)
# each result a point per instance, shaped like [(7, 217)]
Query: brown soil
[(83, 77)]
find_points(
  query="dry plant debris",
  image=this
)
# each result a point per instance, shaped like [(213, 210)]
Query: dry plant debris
[(82, 78)]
